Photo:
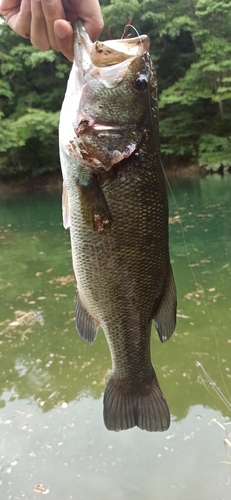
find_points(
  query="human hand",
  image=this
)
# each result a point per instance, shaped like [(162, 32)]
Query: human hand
[(47, 22)]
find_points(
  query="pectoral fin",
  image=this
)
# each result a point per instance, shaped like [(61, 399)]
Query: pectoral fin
[(94, 207), (165, 316), (65, 208), (85, 325)]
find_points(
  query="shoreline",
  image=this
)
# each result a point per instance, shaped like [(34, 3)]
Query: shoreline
[(18, 185), (52, 181)]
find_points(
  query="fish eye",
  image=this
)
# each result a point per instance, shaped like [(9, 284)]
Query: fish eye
[(140, 83)]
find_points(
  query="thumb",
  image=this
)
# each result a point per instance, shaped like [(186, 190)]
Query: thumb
[(64, 38)]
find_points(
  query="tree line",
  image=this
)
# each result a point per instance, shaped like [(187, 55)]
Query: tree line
[(191, 49)]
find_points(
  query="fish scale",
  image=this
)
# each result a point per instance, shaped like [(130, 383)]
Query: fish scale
[(118, 219)]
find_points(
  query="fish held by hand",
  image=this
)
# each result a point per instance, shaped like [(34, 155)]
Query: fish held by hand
[(116, 207)]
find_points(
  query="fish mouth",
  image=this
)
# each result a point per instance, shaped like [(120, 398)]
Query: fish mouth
[(106, 61)]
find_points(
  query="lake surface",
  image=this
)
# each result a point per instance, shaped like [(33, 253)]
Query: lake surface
[(52, 436)]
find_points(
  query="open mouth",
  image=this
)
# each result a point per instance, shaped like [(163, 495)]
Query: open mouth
[(106, 61)]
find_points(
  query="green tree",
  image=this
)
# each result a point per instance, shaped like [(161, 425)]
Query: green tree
[(204, 91), (32, 85), (191, 48), (190, 45)]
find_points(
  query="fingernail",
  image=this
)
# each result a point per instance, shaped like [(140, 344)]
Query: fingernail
[(60, 31)]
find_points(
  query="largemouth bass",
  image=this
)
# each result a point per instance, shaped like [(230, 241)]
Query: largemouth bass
[(115, 203)]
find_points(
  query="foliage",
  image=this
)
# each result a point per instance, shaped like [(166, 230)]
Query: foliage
[(191, 48), (215, 151), (32, 85), (190, 44), (29, 143)]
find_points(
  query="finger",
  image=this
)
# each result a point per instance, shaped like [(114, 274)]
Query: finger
[(18, 16), (64, 37), (52, 10), (7, 5), (94, 27), (90, 13), (39, 37)]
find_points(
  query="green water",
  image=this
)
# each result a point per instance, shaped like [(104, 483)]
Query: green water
[(52, 436)]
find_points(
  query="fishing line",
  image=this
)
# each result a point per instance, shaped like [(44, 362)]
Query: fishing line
[(214, 385), (198, 286), (130, 26)]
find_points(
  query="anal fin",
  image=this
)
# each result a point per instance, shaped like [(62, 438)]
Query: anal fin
[(165, 316), (85, 325)]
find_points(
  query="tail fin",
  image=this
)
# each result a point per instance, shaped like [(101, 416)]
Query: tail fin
[(146, 408)]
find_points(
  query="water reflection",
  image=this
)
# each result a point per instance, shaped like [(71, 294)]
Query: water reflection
[(42, 356), (48, 371), (71, 455)]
